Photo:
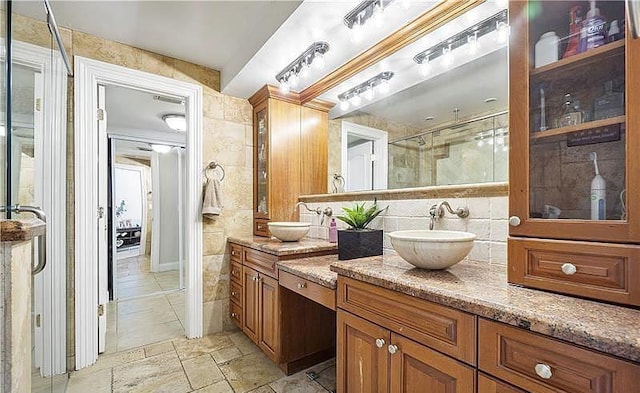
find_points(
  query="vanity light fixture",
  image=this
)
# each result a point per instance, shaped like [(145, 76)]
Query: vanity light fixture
[(176, 122), (366, 89), (298, 69), (498, 22), (368, 10)]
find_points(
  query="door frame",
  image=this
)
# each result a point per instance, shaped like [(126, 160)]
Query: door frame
[(380, 142), (54, 202), (88, 73)]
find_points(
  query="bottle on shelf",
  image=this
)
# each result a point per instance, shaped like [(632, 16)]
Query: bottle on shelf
[(570, 116), (596, 27), (611, 104), (575, 25)]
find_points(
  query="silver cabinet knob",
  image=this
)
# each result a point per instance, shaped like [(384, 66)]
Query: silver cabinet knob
[(514, 221), (234, 293), (543, 371), (256, 278), (233, 315), (302, 285), (392, 349), (569, 269), (379, 342)]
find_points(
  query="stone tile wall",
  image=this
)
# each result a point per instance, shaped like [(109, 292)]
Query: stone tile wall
[(227, 139), (487, 219)]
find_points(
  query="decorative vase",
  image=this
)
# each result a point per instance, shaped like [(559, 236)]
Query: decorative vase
[(360, 243)]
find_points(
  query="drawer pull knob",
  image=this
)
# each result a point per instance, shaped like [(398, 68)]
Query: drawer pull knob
[(392, 349), (569, 269), (379, 342), (256, 278), (302, 285), (234, 293), (233, 315), (233, 253), (543, 371), (514, 221)]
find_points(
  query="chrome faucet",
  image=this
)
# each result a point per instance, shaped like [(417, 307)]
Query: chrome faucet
[(328, 212), (437, 212)]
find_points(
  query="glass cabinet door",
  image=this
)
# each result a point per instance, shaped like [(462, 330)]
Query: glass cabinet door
[(574, 56), (262, 167)]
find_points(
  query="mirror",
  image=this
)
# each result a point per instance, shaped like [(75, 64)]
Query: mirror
[(402, 124)]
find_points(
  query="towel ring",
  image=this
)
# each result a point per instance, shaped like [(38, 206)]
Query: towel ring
[(213, 165)]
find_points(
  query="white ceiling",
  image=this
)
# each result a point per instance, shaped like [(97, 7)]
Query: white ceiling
[(222, 35)]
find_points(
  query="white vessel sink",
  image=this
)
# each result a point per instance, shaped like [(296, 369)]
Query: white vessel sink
[(432, 249), (289, 231)]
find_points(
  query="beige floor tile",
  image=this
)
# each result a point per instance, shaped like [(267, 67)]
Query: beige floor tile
[(262, 389), (142, 319), (296, 383), (157, 349), (162, 373), (139, 290), (250, 371), (202, 371), (141, 304), (96, 382), (149, 334), (180, 311), (223, 355), (242, 342), (218, 387), (176, 297), (199, 346), (111, 360)]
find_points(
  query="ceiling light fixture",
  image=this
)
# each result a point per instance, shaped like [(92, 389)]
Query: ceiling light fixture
[(298, 69), (498, 22), (380, 81), (162, 149), (367, 10), (176, 122)]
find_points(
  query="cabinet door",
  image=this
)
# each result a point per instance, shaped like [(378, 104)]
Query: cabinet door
[(416, 368), (250, 325), (268, 316), (362, 364), (487, 384), (261, 161), (574, 121)]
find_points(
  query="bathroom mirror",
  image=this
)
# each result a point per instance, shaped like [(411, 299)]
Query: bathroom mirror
[(433, 113)]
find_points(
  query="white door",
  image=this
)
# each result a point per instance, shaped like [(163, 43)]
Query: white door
[(103, 233), (360, 167)]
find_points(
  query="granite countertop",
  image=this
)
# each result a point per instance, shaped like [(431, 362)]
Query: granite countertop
[(314, 269), (21, 230), (278, 248), (482, 289)]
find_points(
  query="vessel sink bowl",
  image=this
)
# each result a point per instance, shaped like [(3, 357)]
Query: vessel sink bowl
[(432, 249), (289, 231)]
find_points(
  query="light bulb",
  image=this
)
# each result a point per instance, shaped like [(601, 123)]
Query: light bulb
[(344, 105), (356, 100), (384, 86), (304, 71), (318, 61), (502, 30), (369, 94), (473, 43), (293, 79), (356, 32), (424, 68), (284, 87), (447, 56)]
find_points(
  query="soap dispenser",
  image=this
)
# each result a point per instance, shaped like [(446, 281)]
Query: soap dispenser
[(596, 27), (333, 231), (598, 192)]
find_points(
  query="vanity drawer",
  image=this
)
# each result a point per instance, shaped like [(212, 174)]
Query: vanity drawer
[(235, 312), (236, 272), (308, 289), (262, 262), (235, 252), (235, 292), (545, 365), (487, 384), (603, 271), (442, 328), (260, 227)]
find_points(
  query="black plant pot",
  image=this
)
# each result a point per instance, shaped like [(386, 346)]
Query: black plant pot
[(359, 243)]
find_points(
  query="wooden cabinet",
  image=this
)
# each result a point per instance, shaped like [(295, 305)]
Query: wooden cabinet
[(290, 154), (373, 359), (564, 117), (541, 364), (250, 307), (486, 384), (268, 316)]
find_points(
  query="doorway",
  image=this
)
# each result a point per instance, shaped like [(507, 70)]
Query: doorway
[(91, 234), (364, 157)]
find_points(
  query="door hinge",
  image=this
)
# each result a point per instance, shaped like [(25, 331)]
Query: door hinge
[(38, 104), (100, 114), (100, 310), (38, 320), (100, 212)]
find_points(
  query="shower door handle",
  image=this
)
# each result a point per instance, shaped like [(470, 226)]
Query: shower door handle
[(42, 239)]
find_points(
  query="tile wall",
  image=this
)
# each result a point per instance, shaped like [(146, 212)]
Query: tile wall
[(487, 219)]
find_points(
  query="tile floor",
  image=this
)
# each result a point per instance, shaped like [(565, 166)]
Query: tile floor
[(225, 362), (134, 278)]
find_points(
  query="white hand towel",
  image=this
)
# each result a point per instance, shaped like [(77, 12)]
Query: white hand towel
[(212, 201)]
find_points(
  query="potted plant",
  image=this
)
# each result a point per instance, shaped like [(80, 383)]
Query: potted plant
[(358, 241)]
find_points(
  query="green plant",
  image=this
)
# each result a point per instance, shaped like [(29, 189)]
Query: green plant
[(359, 216)]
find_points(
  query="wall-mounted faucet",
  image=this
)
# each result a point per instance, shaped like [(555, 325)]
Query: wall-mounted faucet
[(328, 212), (437, 212)]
